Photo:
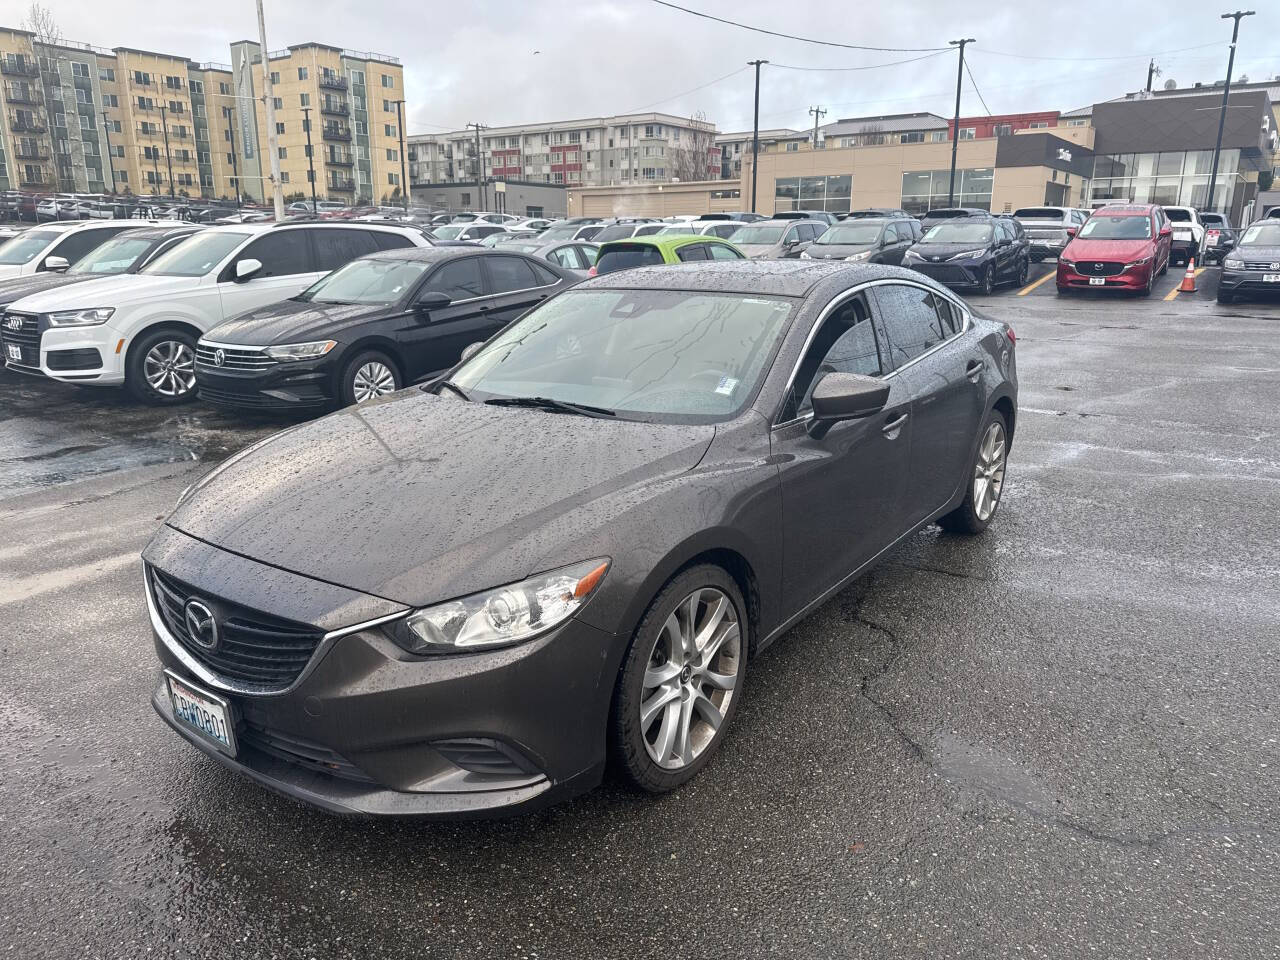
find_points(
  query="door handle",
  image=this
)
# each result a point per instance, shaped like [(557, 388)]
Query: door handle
[(974, 370), (893, 426)]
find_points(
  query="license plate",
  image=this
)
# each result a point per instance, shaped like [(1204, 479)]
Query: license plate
[(1271, 278), (15, 351), (1097, 281), (207, 715)]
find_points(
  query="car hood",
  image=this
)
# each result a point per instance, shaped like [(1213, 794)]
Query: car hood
[(109, 291), (944, 250), (1079, 249), (1256, 252), (292, 321), (399, 498), (836, 251), (758, 249), (16, 288)]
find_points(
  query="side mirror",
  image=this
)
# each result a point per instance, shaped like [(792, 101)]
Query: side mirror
[(1166, 230), (247, 268), (1071, 232), (430, 300), (847, 396), (56, 264), (471, 349)]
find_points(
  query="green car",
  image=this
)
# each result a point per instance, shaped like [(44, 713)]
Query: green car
[(662, 248)]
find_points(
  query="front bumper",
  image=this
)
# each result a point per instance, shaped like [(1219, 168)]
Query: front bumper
[(960, 273), (1183, 247), (369, 729), (1241, 282), (71, 354), (292, 385), (1129, 278)]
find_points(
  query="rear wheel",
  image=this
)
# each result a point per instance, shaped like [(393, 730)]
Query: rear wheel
[(161, 367), (681, 681), (986, 480), (988, 280), (1024, 272)]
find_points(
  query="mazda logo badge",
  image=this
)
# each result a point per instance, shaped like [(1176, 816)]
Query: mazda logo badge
[(219, 358), (201, 624)]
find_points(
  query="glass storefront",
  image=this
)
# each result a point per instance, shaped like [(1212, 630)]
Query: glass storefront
[(1178, 179), (924, 190), (813, 193)]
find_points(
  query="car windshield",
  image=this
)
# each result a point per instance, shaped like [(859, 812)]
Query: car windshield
[(114, 256), (450, 232), (1039, 213), (1137, 227), (624, 256), (757, 235), (619, 231), (1263, 234), (660, 355), (25, 247), (853, 234), (366, 281), (195, 256), (956, 232)]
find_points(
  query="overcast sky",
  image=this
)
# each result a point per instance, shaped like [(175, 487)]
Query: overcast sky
[(527, 61)]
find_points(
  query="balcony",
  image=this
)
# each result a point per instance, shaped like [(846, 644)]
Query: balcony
[(30, 152), (16, 67), (24, 94), (332, 81), (341, 185), (337, 108), (22, 124), (339, 158), (336, 131)]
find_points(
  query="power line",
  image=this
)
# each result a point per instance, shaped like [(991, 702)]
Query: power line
[(872, 66), (1132, 56), (790, 36), (677, 96), (969, 71)]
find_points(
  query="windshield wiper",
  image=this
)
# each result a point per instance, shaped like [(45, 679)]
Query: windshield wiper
[(547, 403), (450, 385)]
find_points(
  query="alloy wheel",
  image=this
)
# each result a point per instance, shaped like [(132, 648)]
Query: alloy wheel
[(691, 678), (988, 280), (372, 379), (170, 368), (988, 473)]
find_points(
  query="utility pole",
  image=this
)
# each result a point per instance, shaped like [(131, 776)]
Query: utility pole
[(755, 135), (479, 169), (268, 101), (404, 170), (1226, 92), (1151, 73), (155, 168), (955, 126), (168, 157), (231, 132), (106, 129), (818, 114), (311, 162)]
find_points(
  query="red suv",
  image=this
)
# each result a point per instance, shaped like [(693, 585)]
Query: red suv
[(1125, 246)]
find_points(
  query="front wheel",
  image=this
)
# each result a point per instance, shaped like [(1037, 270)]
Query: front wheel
[(681, 681), (987, 480), (1024, 272), (367, 376), (988, 280), (161, 368)]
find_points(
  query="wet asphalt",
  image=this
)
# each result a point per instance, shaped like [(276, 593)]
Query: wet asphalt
[(1058, 739)]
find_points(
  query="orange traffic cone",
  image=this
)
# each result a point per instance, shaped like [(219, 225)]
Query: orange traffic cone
[(1188, 284)]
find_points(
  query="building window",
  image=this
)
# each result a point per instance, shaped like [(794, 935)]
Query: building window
[(110, 100), (302, 73), (277, 103), (115, 126), (1003, 129), (284, 152), (793, 147), (284, 177), (1039, 124), (813, 193), (275, 77), (357, 77), (279, 128), (79, 69), (82, 96), (197, 86), (122, 176), (86, 123), (922, 190), (224, 88), (304, 99), (388, 81), (1078, 123), (938, 136), (107, 74), (389, 129), (393, 179), (912, 136), (393, 154), (175, 106), (968, 133)]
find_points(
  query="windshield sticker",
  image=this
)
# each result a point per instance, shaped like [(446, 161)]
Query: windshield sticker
[(727, 385)]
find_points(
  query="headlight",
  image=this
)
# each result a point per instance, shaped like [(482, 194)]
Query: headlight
[(804, 255), (501, 616), (859, 256), (1070, 264), (966, 254), (301, 351), (81, 318), (1233, 263), (1138, 263)]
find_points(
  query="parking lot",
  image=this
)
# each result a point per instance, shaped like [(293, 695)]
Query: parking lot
[(1056, 739)]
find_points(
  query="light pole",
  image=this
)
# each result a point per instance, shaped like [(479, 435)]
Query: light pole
[(755, 135), (106, 129), (404, 170), (168, 157), (311, 164), (231, 132), (268, 101), (955, 124), (1226, 92)]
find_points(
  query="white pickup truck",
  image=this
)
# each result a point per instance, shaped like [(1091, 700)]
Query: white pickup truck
[(1188, 233)]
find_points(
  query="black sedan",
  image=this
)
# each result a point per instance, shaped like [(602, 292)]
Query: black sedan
[(1254, 265), (370, 327), (463, 600), (978, 252)]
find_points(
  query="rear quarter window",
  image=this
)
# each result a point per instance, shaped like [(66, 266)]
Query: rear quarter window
[(626, 256)]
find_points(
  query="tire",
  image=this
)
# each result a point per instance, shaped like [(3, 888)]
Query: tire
[(990, 461), (988, 280), (1165, 268), (161, 367), (657, 678), (1064, 291), (1023, 273), (368, 375), (1146, 290)]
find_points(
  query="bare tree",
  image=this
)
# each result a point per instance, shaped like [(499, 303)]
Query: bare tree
[(691, 159), (41, 21)]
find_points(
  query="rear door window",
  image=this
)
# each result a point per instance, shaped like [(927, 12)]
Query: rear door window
[(508, 274), (458, 279), (283, 253), (386, 240), (337, 247), (845, 343), (624, 256), (910, 321)]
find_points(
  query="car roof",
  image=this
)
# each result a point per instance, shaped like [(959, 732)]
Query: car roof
[(1123, 209), (439, 253), (664, 241), (784, 278), (159, 233)]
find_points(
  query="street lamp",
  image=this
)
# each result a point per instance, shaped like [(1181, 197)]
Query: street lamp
[(404, 172), (311, 163), (1226, 92)]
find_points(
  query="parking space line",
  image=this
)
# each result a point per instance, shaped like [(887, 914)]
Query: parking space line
[(1173, 294), (1031, 286)]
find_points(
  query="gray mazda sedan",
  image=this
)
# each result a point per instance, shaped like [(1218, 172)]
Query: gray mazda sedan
[(470, 598)]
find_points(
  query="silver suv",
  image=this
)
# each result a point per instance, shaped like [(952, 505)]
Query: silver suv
[(1049, 229)]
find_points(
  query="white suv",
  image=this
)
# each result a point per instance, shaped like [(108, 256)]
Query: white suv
[(56, 246), (1188, 233), (140, 330)]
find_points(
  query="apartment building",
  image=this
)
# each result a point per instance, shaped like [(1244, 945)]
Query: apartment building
[(627, 148), (884, 129), (85, 119), (733, 145)]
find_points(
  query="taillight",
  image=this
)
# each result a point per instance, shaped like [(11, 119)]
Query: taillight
[(1013, 337)]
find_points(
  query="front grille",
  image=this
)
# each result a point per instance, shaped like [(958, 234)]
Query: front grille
[(23, 331), (944, 273), (232, 358), (253, 647), (1099, 268), (1262, 265), (86, 359), (302, 753)]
